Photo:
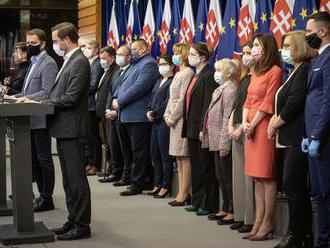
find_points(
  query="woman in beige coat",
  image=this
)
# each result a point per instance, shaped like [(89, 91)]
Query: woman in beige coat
[(173, 118), (215, 133)]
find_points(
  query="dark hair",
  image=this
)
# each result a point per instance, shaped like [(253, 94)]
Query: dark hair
[(142, 42), (271, 55), (109, 50), (321, 16), (167, 58), (21, 45), (248, 43), (244, 69), (67, 29), (203, 49), (38, 32)]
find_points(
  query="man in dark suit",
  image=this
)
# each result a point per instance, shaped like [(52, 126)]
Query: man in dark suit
[(94, 150), (14, 84), (69, 123), (39, 80), (121, 153), (317, 121), (131, 100)]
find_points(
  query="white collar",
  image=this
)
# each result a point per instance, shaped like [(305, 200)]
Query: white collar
[(125, 67), (322, 49), (69, 54), (91, 60)]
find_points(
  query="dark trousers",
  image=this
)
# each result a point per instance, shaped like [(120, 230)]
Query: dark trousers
[(323, 216), (126, 150), (42, 162), (94, 143), (295, 175), (224, 174), (75, 183), (162, 161), (204, 185), (116, 160), (139, 136)]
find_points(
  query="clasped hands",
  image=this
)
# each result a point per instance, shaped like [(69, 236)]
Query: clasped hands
[(248, 130), (310, 147)]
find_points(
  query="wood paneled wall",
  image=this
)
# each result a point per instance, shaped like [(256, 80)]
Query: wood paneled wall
[(90, 20)]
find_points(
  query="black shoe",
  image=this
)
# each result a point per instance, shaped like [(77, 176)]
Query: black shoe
[(121, 183), (158, 196), (225, 222), (64, 229), (237, 225), (155, 192), (130, 192), (43, 205), (245, 229), (290, 241), (308, 241), (109, 179), (215, 217), (75, 234)]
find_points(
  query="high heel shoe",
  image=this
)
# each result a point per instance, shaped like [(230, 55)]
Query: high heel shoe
[(249, 235), (267, 236), (180, 204), (155, 192), (163, 195)]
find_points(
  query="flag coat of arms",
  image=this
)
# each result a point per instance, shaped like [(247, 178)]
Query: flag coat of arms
[(164, 36), (214, 24), (187, 31), (246, 19), (325, 5), (149, 25), (113, 36)]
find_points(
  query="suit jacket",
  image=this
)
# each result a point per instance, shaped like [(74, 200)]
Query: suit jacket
[(199, 102), (290, 103), (103, 90), (69, 95), (317, 109), (215, 125), (16, 84), (40, 82), (96, 74), (134, 94), (159, 99)]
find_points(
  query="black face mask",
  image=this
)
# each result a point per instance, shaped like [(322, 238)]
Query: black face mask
[(33, 50), (313, 40)]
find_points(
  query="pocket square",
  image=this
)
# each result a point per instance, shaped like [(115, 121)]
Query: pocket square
[(317, 69)]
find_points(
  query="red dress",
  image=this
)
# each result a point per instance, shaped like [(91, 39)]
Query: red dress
[(259, 150)]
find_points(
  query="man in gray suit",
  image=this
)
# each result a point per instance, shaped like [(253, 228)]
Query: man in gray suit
[(69, 125), (37, 84)]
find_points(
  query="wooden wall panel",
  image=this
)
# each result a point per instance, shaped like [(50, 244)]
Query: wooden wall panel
[(90, 20)]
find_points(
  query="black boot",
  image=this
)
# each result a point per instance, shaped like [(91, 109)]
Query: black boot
[(290, 240)]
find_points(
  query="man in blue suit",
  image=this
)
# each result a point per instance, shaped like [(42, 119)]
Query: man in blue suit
[(39, 80), (317, 121), (131, 100)]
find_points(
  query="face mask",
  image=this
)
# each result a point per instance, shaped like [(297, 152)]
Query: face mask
[(135, 55), (248, 60), (57, 50), (33, 50), (218, 77), (194, 61), (104, 64), (88, 53), (120, 61), (313, 40), (286, 56), (256, 53), (176, 60), (163, 69)]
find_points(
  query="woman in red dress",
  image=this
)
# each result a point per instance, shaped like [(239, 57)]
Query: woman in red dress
[(260, 150)]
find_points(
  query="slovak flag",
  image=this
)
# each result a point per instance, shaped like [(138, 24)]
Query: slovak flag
[(113, 35), (149, 25), (325, 5), (165, 35), (246, 19), (281, 21), (214, 23), (187, 24), (130, 23)]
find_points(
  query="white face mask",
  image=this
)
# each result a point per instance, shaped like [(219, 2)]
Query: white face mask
[(163, 69), (194, 61), (120, 61), (88, 53), (104, 64), (57, 50), (218, 77), (248, 60)]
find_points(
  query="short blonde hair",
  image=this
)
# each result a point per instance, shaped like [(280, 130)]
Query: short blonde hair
[(302, 51), (183, 50), (228, 66)]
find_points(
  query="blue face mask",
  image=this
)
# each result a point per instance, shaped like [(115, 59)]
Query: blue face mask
[(135, 55), (218, 77), (286, 56), (176, 60)]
